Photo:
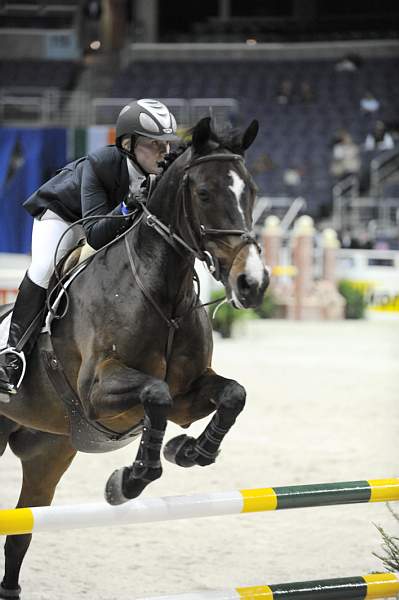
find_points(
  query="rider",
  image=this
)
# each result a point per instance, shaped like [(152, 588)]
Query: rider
[(107, 182)]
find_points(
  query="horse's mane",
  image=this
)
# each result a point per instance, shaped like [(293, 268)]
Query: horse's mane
[(228, 139), (170, 158)]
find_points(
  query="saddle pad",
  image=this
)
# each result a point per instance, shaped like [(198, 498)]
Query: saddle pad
[(77, 256)]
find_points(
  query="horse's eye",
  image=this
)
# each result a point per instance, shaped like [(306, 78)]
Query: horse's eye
[(203, 194)]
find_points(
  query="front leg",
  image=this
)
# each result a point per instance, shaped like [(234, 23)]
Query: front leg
[(117, 390), (210, 392)]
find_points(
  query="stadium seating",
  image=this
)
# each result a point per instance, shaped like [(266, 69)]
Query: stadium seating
[(295, 135), (38, 73)]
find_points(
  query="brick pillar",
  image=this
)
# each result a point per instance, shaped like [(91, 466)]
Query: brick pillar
[(272, 241), (330, 244), (302, 253)]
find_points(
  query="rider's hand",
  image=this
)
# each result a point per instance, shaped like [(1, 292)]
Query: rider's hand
[(133, 200)]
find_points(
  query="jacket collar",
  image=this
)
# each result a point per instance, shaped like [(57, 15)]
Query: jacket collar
[(122, 179)]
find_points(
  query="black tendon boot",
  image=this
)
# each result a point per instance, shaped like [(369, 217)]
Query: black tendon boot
[(28, 306)]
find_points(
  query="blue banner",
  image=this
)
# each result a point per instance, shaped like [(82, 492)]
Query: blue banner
[(28, 157)]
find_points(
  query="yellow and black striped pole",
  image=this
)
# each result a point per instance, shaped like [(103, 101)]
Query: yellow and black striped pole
[(144, 510), (376, 585)]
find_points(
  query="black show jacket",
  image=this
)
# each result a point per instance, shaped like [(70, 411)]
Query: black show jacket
[(93, 185)]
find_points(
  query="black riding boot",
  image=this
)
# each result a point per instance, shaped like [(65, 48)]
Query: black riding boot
[(28, 305)]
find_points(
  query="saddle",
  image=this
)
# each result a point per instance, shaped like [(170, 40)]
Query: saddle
[(86, 435)]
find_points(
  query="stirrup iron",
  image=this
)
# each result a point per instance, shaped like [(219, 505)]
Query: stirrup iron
[(21, 356)]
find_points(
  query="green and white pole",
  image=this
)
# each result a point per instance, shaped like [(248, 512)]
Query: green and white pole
[(144, 510)]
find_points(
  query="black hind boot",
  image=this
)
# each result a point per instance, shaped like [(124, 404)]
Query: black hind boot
[(25, 322)]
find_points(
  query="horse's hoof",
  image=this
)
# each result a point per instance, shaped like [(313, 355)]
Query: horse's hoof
[(113, 489), (4, 593), (181, 451), (134, 487)]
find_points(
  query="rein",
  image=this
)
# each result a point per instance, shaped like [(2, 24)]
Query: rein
[(196, 250)]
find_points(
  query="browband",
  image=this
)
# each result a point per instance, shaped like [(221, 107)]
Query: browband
[(209, 157)]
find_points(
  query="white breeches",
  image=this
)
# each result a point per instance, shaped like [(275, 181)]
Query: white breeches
[(46, 234)]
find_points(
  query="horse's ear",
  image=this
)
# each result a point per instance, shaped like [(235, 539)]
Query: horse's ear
[(201, 133), (250, 135)]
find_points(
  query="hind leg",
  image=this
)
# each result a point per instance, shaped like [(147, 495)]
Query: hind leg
[(209, 393), (45, 458)]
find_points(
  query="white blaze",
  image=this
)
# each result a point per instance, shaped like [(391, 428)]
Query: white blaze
[(254, 268), (237, 188)]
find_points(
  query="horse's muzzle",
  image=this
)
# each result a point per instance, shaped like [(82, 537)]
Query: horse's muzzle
[(248, 279)]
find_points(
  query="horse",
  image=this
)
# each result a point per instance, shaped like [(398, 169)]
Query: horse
[(135, 344)]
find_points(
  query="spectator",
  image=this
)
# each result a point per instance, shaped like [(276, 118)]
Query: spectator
[(369, 104), (292, 177), (345, 156), (284, 92), (379, 139), (306, 94)]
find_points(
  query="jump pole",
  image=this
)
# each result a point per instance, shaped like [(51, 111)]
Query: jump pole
[(376, 585), (144, 510)]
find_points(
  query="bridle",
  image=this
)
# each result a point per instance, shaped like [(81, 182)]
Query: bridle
[(246, 236), (193, 246)]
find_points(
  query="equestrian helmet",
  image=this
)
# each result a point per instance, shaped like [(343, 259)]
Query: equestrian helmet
[(148, 118)]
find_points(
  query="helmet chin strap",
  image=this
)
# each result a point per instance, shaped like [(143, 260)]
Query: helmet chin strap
[(131, 154)]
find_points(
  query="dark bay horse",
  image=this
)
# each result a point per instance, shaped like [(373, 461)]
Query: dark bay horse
[(135, 344)]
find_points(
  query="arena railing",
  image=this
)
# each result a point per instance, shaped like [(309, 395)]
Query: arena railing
[(370, 212), (76, 109), (382, 169), (211, 51), (104, 111), (344, 189), (284, 207)]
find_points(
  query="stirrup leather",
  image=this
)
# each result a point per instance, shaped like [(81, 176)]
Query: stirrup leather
[(21, 356)]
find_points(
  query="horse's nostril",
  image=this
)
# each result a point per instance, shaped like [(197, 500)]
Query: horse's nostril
[(243, 284)]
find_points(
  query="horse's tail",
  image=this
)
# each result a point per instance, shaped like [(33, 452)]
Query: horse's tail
[(7, 427)]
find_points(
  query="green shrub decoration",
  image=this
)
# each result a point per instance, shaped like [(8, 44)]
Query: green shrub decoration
[(355, 299), (268, 309), (226, 315)]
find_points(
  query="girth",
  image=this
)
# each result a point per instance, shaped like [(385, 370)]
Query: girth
[(86, 435)]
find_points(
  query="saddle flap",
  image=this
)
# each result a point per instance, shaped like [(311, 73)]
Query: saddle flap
[(68, 268)]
